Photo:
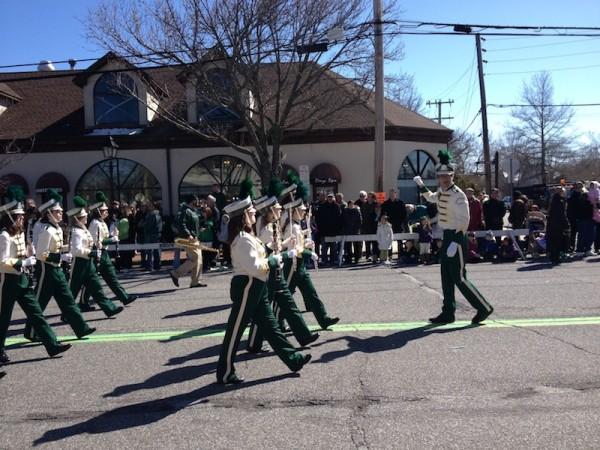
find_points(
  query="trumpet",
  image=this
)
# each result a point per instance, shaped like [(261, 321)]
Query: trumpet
[(193, 244)]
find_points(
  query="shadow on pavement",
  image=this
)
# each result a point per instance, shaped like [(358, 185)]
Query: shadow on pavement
[(377, 344), (195, 312), (206, 352), (535, 266), (148, 412), (152, 293), (179, 375), (197, 332)]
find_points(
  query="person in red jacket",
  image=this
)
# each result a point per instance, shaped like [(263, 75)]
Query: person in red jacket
[(475, 211)]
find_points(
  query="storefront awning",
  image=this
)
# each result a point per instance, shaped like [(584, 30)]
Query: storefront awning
[(325, 174), (52, 180), (13, 179)]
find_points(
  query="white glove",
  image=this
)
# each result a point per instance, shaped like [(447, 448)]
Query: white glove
[(28, 262), (292, 253), (419, 181), (114, 239), (309, 244), (452, 249), (314, 257), (66, 257)]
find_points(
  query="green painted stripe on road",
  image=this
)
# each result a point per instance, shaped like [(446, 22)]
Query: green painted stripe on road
[(171, 335)]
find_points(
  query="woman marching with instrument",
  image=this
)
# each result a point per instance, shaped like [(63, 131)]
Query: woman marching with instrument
[(85, 258), (284, 305), (250, 296), (14, 284), (296, 273), (50, 253), (102, 238)]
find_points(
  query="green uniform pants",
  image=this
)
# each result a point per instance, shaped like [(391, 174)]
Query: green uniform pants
[(15, 288), (53, 283), (83, 274), (284, 307), (107, 271), (454, 273), (301, 279), (250, 302)]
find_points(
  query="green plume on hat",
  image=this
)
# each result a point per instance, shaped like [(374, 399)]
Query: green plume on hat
[(301, 190), (247, 189), (100, 197), (54, 195), (15, 192), (79, 202), (444, 156), (275, 187)]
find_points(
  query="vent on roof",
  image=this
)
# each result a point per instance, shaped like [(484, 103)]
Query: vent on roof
[(45, 66)]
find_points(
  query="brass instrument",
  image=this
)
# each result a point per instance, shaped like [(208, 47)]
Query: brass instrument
[(276, 248), (193, 244)]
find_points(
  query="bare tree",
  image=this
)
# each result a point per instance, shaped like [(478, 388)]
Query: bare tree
[(14, 150), (275, 65), (466, 150), (542, 127), (401, 89)]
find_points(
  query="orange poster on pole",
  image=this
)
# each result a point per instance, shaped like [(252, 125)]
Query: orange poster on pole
[(380, 197)]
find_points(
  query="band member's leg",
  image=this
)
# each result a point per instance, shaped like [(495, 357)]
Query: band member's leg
[(107, 270)]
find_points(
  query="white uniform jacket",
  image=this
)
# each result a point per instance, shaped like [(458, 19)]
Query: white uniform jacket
[(81, 243), (49, 241), (12, 249), (249, 256), (453, 208), (98, 228)]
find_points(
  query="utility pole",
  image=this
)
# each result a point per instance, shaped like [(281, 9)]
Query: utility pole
[(439, 104), (484, 123), (379, 105)]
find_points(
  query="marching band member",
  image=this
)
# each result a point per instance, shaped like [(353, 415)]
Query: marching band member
[(284, 305), (296, 273), (86, 255), (14, 283), (102, 238), (50, 253), (250, 296), (453, 219)]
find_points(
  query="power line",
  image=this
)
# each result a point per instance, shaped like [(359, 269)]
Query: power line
[(507, 49), (501, 27), (496, 105), (454, 84), (560, 69), (564, 55)]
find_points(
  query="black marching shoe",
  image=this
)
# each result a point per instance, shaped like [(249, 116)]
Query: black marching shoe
[(312, 338), (231, 379), (130, 299), (60, 348), (115, 312), (86, 333), (330, 321), (4, 359), (481, 316), (86, 307), (198, 285), (305, 360), (442, 319), (174, 279)]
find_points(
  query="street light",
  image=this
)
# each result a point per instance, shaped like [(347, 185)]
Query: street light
[(110, 153)]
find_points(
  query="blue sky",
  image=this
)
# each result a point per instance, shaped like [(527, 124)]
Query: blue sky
[(443, 66)]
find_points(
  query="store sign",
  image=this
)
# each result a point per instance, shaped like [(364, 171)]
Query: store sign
[(380, 197), (325, 181)]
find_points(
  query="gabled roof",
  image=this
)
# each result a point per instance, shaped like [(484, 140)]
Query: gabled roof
[(6, 91), (51, 104)]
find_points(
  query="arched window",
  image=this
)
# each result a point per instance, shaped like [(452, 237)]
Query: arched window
[(115, 101), (418, 162), (120, 179), (225, 171), (214, 91)]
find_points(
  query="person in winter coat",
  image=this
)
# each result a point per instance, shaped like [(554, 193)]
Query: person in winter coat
[(518, 213), (557, 228), (385, 238), (475, 211), (369, 225), (585, 226), (494, 211), (594, 196), (395, 209), (329, 223), (574, 212), (153, 226), (351, 223)]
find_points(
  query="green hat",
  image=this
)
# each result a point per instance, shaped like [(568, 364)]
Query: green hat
[(101, 200), (79, 208), (275, 187), (246, 189), (53, 203), (15, 197), (444, 167)]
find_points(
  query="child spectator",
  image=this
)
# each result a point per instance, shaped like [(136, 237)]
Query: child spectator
[(425, 237), (536, 219), (473, 252), (507, 252), (385, 237), (411, 254), (490, 247)]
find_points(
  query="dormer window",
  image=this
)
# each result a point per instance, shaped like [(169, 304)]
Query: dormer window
[(213, 92), (115, 101)]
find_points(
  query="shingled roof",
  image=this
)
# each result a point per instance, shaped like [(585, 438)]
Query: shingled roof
[(50, 104)]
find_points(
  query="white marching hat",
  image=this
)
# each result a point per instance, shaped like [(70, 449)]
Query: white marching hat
[(298, 203), (269, 201), (236, 208)]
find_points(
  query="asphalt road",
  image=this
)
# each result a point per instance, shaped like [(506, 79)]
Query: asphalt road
[(530, 378)]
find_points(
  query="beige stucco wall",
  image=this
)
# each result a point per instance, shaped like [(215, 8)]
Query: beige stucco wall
[(353, 159)]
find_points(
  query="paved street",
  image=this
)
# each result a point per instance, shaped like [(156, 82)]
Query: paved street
[(380, 379)]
